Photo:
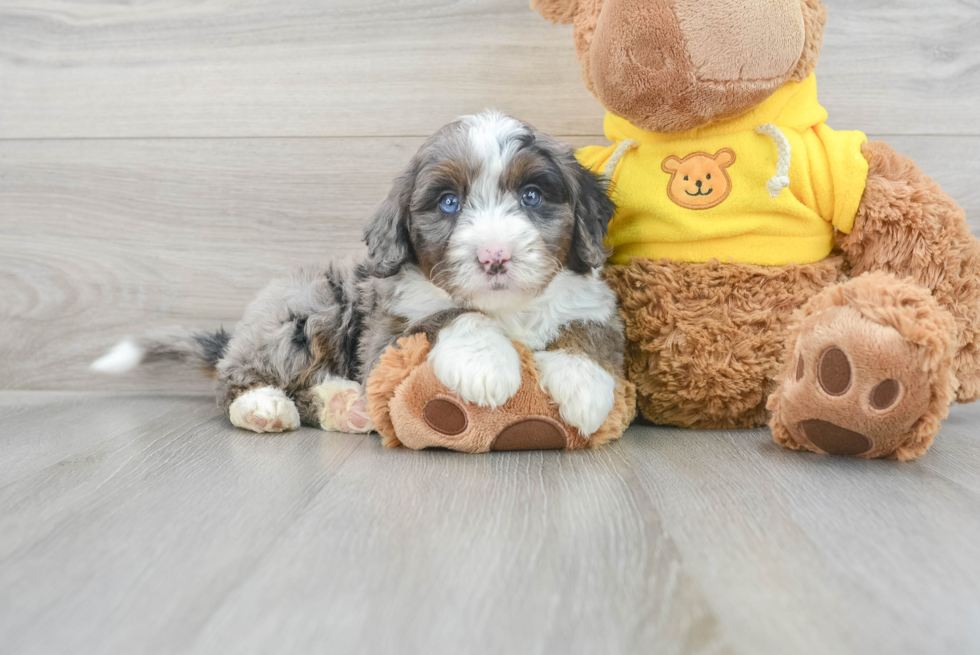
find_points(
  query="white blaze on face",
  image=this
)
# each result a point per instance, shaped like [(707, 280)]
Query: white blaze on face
[(493, 139), (492, 217)]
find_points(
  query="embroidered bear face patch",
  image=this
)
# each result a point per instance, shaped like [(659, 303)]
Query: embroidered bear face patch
[(699, 181)]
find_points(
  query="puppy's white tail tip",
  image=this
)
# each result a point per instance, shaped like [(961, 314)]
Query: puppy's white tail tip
[(124, 357)]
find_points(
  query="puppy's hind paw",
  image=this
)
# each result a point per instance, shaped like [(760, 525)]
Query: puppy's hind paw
[(344, 406), (265, 409)]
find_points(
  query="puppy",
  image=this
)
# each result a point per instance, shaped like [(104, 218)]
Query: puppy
[(493, 233)]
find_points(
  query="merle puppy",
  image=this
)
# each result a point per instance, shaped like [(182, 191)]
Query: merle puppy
[(493, 233)]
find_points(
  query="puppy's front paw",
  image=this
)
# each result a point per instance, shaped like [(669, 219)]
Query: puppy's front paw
[(266, 409), (476, 361), (584, 391)]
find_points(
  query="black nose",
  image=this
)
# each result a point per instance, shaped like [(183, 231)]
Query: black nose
[(698, 183)]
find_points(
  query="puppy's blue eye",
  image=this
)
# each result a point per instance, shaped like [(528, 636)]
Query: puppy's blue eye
[(531, 196), (449, 204)]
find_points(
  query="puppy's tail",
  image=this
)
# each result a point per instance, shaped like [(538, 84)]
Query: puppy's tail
[(198, 347)]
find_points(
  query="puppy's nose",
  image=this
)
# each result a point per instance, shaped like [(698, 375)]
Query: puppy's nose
[(698, 183), (494, 258)]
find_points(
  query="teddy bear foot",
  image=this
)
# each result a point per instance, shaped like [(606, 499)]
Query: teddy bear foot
[(409, 406), (870, 372), (451, 419), (428, 415)]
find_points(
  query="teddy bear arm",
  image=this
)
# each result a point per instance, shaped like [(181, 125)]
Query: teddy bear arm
[(908, 226)]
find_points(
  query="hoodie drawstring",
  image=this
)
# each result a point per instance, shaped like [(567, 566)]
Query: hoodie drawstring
[(621, 149), (780, 180)]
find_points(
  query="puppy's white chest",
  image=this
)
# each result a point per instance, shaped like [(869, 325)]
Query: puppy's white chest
[(569, 298)]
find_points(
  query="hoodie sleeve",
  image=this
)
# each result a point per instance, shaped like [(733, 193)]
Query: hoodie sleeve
[(840, 186)]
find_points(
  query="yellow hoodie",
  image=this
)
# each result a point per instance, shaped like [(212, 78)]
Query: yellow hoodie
[(718, 191)]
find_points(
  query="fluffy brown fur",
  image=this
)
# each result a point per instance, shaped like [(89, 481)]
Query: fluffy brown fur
[(557, 11), (814, 21), (402, 384), (394, 366), (704, 341), (908, 226)]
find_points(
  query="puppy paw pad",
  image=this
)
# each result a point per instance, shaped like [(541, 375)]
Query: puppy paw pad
[(265, 409), (344, 407)]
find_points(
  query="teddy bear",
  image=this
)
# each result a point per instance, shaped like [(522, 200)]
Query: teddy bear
[(770, 270), (409, 406)]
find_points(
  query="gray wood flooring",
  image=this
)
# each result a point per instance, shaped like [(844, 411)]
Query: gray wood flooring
[(368, 68), (151, 525)]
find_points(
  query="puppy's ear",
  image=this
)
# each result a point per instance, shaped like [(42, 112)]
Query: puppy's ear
[(557, 11), (388, 236), (593, 211)]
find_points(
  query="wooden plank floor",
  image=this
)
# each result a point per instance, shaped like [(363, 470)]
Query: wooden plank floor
[(261, 68), (150, 525)]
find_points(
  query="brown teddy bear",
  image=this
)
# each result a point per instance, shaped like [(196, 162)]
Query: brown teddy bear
[(769, 268), (409, 407)]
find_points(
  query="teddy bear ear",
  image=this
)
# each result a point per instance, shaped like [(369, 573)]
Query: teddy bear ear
[(557, 11), (671, 165), (814, 20), (725, 157)]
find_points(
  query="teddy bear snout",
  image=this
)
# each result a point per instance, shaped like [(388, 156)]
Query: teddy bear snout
[(672, 65)]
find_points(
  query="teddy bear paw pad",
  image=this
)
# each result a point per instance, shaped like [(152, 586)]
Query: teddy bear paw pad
[(531, 434), (857, 389), (834, 439), (445, 416)]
